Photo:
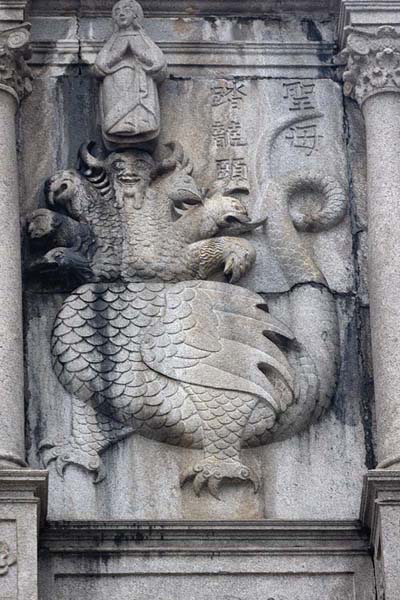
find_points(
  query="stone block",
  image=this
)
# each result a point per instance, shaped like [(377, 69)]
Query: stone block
[(196, 44), (23, 505), (380, 512), (143, 475), (224, 155), (233, 561)]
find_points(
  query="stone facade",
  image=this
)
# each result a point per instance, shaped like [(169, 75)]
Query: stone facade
[(206, 197)]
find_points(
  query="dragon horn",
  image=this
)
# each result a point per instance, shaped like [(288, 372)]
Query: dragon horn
[(177, 153), (167, 165), (88, 160)]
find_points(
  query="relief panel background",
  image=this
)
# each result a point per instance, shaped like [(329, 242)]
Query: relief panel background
[(230, 142), (172, 576), (8, 559)]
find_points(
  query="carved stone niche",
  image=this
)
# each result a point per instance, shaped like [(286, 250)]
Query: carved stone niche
[(147, 343)]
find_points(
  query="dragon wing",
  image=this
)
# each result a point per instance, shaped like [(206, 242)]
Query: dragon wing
[(215, 335)]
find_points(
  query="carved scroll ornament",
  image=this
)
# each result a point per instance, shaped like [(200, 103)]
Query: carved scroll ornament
[(7, 558), (372, 63), (144, 344), (15, 75)]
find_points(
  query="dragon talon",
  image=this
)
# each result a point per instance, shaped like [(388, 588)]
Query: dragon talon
[(213, 485), (60, 467), (50, 443), (186, 476), (211, 471), (198, 483), (100, 474), (65, 454), (255, 480)]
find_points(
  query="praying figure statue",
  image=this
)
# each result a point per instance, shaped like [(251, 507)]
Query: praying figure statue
[(130, 66)]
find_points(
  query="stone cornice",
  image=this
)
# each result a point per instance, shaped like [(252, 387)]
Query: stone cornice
[(25, 485), (367, 15), (381, 487), (182, 8), (371, 62), (201, 537), (15, 75), (11, 12)]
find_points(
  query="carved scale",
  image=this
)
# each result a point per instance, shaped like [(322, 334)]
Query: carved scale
[(145, 344)]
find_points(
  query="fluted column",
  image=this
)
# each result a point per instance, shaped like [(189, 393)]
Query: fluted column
[(15, 82), (372, 77)]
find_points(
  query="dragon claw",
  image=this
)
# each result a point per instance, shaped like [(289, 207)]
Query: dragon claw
[(64, 454), (210, 473)]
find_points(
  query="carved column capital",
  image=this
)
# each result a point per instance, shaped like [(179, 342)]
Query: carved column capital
[(371, 62), (15, 75)]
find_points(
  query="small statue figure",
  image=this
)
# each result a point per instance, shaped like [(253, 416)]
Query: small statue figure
[(130, 66)]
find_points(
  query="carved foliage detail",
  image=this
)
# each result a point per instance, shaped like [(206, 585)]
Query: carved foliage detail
[(7, 558), (14, 50), (372, 63)]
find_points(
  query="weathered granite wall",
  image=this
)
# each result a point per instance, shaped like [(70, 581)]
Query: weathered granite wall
[(250, 99)]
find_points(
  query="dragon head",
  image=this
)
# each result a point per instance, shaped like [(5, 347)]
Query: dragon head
[(42, 223), (64, 190), (226, 210), (230, 214), (123, 174), (180, 183)]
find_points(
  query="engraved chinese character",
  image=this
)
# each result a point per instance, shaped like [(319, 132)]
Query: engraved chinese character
[(304, 136), (299, 94), (228, 135), (237, 94), (224, 168), (228, 91), (239, 169), (232, 168), (220, 134), (235, 134)]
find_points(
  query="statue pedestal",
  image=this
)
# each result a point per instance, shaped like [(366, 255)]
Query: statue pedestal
[(23, 504)]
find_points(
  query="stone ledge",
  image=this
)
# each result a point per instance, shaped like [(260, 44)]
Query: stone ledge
[(380, 487), (24, 485), (264, 59), (169, 8), (366, 15), (11, 12), (193, 537), (206, 559)]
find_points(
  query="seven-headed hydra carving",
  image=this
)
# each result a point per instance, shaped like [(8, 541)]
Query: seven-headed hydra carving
[(147, 343)]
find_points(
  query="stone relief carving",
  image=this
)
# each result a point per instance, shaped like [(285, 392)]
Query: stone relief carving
[(7, 558), (129, 66), (145, 344), (372, 62), (15, 75)]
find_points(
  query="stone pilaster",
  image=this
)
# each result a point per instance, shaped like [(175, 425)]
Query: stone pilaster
[(380, 512), (23, 493), (370, 33), (15, 83), (371, 75), (23, 501)]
